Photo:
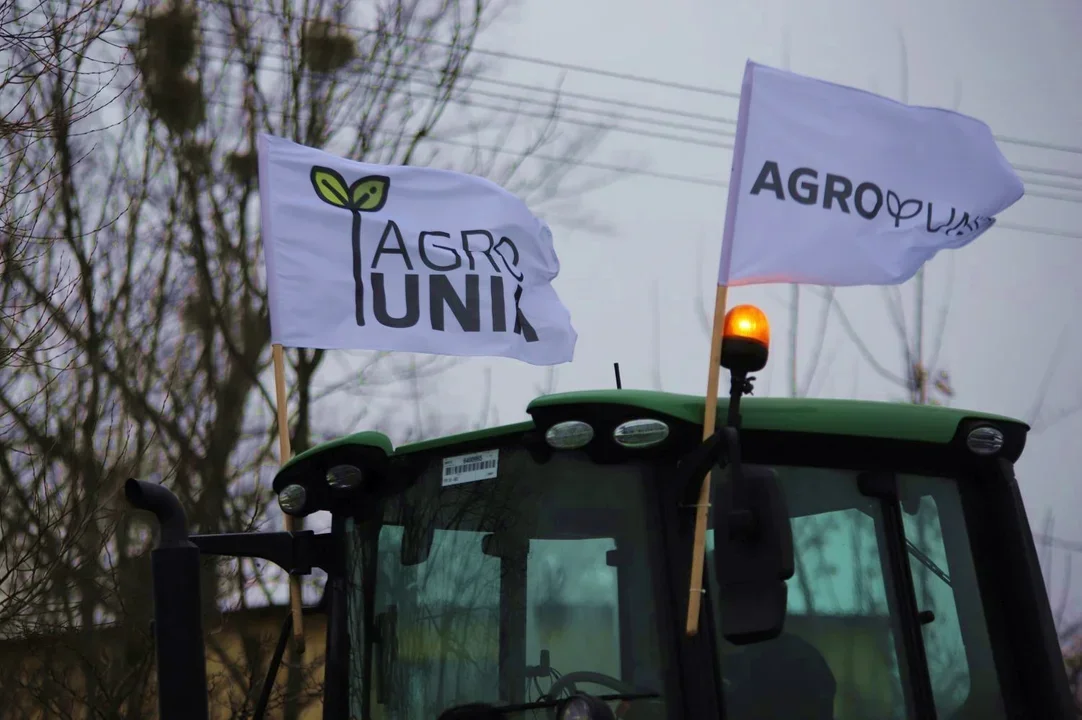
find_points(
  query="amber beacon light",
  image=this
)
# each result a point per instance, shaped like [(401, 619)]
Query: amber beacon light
[(745, 339)]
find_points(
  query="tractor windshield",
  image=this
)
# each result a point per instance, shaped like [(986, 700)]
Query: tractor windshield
[(500, 579)]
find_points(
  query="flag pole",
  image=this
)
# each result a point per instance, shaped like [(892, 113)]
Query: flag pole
[(284, 454), (710, 410), (710, 415)]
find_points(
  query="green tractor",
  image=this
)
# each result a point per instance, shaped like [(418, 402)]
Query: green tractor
[(863, 561)]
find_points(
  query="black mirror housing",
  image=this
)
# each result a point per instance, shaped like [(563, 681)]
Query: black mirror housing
[(753, 552)]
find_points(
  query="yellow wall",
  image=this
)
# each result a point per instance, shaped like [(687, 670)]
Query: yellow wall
[(856, 649), (859, 653), (27, 662), (224, 651)]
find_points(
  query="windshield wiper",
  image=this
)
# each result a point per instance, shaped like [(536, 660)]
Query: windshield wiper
[(921, 556), (927, 562)]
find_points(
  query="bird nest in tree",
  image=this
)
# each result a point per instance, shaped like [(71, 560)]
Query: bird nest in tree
[(326, 46), (167, 47)]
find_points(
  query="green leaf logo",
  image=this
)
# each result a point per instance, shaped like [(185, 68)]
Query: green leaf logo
[(330, 186), (369, 194)]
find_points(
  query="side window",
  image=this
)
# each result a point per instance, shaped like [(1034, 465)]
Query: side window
[(838, 653), (841, 617), (943, 643), (445, 644), (955, 637), (838, 603)]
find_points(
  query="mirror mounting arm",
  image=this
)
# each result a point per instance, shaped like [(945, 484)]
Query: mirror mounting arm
[(295, 552), (740, 384), (753, 552)]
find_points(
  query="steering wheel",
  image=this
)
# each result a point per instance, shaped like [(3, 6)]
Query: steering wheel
[(568, 682)]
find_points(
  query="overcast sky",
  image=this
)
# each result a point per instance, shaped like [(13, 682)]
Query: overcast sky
[(1013, 296)]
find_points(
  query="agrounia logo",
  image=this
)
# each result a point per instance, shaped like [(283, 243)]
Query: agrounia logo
[(838, 193), (369, 195)]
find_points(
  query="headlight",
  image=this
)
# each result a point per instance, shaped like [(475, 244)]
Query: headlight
[(343, 477), (569, 435), (292, 499), (640, 433), (985, 440)]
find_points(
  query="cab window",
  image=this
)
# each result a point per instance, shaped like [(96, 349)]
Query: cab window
[(841, 650)]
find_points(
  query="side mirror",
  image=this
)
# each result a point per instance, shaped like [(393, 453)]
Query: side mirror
[(753, 552)]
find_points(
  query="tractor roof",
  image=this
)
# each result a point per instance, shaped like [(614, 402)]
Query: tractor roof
[(903, 421)]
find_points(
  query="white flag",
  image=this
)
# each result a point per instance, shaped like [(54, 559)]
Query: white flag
[(409, 259), (832, 185)]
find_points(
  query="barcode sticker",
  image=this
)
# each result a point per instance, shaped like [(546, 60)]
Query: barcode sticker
[(470, 468)]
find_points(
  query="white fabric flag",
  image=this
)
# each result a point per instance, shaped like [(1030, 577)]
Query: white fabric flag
[(831, 185), (409, 259)]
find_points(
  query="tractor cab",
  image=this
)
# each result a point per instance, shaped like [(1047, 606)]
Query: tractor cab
[(864, 561), (543, 568)]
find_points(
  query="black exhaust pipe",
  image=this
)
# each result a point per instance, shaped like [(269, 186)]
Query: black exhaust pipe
[(178, 619)]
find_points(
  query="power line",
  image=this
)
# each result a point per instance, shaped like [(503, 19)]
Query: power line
[(631, 77), (530, 60), (413, 71), (620, 169), (596, 125), (672, 177), (1051, 183), (607, 100), (1033, 229), (606, 167), (1045, 171), (702, 142), (434, 85), (1074, 149)]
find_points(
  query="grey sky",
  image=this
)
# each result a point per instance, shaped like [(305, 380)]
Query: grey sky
[(1012, 295)]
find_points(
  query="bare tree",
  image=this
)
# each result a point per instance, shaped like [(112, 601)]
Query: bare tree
[(153, 362), (53, 88)]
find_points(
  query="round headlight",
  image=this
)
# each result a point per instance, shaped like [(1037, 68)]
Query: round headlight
[(985, 440), (292, 499), (569, 435), (343, 477)]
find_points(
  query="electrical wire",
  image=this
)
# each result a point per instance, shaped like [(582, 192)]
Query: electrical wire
[(593, 124), (503, 55), (672, 177), (631, 77), (701, 142), (411, 73)]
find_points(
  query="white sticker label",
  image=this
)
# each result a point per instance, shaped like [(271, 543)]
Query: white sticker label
[(470, 468)]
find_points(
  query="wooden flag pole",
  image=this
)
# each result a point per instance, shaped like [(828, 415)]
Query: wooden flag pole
[(284, 454), (702, 509), (710, 411)]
